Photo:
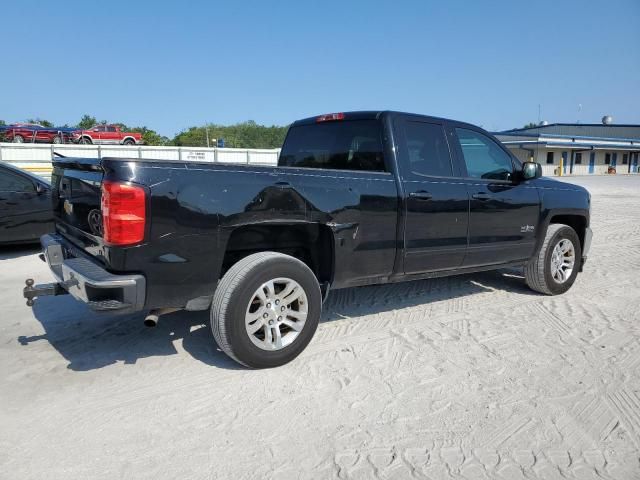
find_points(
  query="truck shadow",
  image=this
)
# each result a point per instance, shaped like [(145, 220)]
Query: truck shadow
[(88, 340), (9, 252)]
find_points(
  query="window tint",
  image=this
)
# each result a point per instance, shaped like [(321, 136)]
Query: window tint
[(483, 157), (345, 145), (10, 182), (427, 149), (111, 129)]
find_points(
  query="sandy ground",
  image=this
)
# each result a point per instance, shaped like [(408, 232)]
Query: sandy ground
[(466, 377)]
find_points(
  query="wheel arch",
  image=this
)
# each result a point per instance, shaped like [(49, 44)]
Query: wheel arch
[(575, 218), (311, 243)]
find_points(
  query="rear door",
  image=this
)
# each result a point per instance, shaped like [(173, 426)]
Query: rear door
[(504, 211), (98, 134), (340, 170), (436, 204)]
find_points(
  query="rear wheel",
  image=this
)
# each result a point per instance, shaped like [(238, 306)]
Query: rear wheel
[(128, 141), (18, 139), (86, 141), (57, 139), (554, 270), (266, 309)]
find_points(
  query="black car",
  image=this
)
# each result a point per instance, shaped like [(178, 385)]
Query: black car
[(356, 199), (25, 206)]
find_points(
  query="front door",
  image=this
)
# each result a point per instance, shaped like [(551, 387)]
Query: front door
[(504, 211), (436, 207)]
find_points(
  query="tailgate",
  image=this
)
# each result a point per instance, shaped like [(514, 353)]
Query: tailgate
[(75, 195)]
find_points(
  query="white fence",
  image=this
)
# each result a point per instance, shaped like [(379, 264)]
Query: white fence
[(37, 157)]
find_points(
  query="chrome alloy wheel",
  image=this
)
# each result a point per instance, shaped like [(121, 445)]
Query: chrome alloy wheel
[(563, 259), (276, 314)]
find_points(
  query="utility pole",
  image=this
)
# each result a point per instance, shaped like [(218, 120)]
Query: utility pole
[(539, 113)]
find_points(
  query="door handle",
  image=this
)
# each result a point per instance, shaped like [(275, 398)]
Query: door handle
[(481, 196), (421, 195)]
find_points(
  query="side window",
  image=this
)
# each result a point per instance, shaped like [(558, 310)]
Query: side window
[(111, 129), (337, 145), (10, 182), (427, 149), (483, 157)]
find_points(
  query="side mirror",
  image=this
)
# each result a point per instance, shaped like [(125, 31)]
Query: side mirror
[(40, 189), (531, 170)]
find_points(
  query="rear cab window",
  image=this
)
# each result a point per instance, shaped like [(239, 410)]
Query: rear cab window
[(335, 145)]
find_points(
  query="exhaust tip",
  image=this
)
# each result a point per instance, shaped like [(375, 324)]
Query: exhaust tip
[(151, 321)]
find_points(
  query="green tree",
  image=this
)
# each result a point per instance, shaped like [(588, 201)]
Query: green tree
[(2, 122), (40, 121), (86, 122), (531, 125), (149, 137), (241, 135)]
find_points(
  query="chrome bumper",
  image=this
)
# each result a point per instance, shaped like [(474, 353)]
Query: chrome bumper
[(86, 281)]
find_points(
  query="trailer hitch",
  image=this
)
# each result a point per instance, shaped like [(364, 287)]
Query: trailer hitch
[(32, 291)]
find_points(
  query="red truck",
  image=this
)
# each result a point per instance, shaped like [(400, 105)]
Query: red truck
[(34, 133), (107, 135)]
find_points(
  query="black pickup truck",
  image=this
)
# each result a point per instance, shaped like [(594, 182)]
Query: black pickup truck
[(356, 199)]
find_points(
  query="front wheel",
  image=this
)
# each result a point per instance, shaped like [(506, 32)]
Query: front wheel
[(18, 139), (556, 266), (57, 140), (266, 309)]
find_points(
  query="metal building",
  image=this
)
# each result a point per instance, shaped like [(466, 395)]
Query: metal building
[(576, 148)]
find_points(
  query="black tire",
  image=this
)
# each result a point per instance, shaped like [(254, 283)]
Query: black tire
[(236, 290), (57, 140), (538, 272), (18, 139), (128, 141), (86, 141)]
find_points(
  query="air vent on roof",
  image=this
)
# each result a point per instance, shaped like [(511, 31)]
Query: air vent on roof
[(607, 120)]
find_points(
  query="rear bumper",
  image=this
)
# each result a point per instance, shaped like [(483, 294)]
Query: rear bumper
[(88, 282)]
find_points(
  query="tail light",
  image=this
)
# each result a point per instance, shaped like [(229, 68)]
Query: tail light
[(330, 117), (123, 213)]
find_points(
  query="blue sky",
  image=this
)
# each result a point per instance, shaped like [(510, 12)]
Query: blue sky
[(171, 65)]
